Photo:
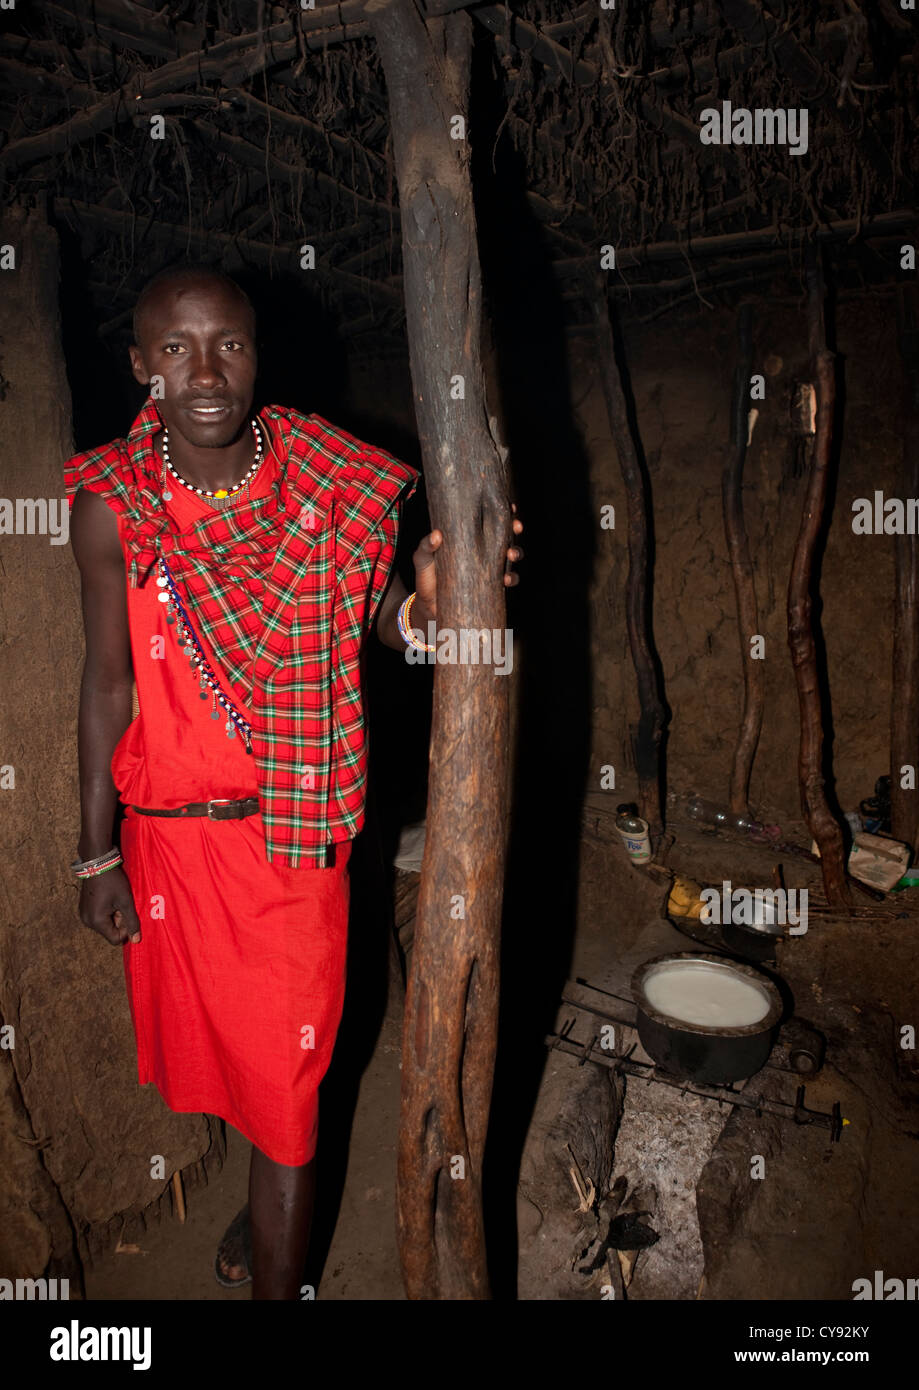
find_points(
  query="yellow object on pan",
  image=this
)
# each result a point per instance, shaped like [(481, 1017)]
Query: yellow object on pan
[(685, 898)]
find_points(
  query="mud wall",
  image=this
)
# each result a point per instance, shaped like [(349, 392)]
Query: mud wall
[(78, 1133), (680, 373)]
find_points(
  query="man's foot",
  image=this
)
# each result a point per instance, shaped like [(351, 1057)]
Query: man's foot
[(233, 1263)]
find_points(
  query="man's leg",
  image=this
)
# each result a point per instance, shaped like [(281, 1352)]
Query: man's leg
[(280, 1215), (279, 1218)]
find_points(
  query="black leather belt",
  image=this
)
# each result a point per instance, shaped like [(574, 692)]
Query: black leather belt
[(217, 809)]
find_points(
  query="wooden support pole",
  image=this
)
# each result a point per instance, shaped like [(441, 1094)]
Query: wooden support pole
[(648, 734), (904, 710), (820, 820), (735, 531), (450, 1027)]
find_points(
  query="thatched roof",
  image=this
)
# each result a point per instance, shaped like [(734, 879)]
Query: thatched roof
[(274, 134)]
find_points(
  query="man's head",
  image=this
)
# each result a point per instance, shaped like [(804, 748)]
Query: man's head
[(194, 328)]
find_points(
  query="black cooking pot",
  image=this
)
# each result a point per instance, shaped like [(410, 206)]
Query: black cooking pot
[(754, 942), (696, 1051)]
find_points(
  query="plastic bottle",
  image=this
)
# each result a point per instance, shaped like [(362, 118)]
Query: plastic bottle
[(634, 832), (711, 813)]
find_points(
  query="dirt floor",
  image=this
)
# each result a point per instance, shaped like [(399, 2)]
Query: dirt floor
[(175, 1261), (826, 1214)]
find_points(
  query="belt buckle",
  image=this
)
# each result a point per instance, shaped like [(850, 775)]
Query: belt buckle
[(219, 801)]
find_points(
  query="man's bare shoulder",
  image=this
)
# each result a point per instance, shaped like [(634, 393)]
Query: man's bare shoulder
[(94, 532)]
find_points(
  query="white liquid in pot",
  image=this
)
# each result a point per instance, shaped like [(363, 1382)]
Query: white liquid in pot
[(710, 996)]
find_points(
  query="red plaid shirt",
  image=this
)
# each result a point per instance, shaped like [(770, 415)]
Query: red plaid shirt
[(284, 589)]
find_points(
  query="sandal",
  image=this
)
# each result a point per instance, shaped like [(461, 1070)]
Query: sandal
[(235, 1249)]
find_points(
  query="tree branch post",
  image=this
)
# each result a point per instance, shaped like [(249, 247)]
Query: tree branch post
[(904, 712), (742, 570), (451, 1008), (820, 819), (648, 734)]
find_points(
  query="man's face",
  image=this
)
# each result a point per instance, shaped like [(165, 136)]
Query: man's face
[(200, 338)]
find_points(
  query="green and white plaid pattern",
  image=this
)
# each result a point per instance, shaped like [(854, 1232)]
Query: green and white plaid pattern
[(282, 589)]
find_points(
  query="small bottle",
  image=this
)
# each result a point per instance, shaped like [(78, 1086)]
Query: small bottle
[(634, 832), (710, 813)]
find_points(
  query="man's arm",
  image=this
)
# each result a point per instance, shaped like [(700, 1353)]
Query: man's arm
[(105, 706), (424, 609), (386, 625)]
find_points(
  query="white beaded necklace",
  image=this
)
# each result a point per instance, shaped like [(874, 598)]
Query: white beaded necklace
[(222, 496)]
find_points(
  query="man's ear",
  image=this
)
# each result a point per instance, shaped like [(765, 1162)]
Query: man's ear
[(137, 365)]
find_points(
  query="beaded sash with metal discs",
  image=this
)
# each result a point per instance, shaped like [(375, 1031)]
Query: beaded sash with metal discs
[(177, 615)]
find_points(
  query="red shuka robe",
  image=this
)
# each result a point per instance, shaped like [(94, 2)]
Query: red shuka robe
[(237, 988)]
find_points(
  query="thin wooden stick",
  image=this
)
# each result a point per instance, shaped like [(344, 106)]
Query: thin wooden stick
[(178, 1193), (742, 572)]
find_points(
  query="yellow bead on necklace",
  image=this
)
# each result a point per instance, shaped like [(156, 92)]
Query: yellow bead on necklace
[(218, 497)]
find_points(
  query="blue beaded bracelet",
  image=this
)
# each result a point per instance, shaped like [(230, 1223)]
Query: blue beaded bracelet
[(402, 619)]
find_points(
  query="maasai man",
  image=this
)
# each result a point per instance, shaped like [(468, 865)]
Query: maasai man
[(231, 568)]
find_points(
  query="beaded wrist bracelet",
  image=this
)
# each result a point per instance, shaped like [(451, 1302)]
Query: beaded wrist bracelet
[(90, 868), (408, 636)]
